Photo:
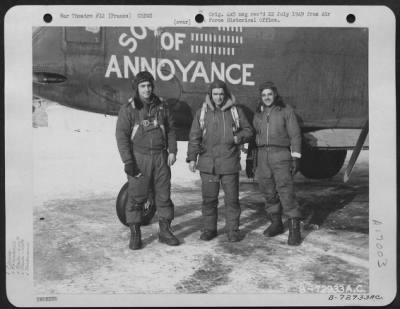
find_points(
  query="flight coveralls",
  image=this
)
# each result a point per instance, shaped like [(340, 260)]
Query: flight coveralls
[(146, 134), (277, 136), (218, 160)]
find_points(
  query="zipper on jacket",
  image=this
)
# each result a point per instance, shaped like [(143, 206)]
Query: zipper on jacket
[(151, 133), (223, 120), (268, 126)]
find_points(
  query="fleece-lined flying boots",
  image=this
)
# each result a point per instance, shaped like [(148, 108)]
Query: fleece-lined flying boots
[(135, 241), (165, 235), (276, 226), (294, 232)]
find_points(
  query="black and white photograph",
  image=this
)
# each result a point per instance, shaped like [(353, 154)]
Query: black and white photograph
[(226, 155)]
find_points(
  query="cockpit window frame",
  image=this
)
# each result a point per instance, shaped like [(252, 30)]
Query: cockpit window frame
[(80, 33), (82, 46)]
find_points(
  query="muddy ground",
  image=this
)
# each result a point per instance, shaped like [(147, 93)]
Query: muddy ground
[(81, 247)]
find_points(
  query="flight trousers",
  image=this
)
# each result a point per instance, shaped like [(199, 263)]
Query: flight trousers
[(275, 181), (156, 174), (210, 190)]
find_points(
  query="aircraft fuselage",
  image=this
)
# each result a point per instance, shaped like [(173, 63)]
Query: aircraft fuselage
[(322, 73)]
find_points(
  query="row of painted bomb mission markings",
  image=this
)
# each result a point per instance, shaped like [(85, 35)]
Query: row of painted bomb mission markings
[(209, 47)]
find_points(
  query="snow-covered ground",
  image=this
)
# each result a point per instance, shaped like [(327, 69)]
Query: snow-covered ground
[(77, 156), (81, 247)]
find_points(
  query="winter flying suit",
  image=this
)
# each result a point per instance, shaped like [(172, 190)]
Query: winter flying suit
[(212, 146), (278, 138), (145, 135)]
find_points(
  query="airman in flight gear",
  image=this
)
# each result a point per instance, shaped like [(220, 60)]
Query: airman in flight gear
[(217, 131), (278, 140), (146, 141)]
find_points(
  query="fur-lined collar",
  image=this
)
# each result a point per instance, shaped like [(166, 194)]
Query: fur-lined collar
[(228, 104), (138, 104), (278, 105)]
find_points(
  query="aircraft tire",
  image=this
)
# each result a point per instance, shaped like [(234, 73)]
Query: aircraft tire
[(122, 199), (320, 164)]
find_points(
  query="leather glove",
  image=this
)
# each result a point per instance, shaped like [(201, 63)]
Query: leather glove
[(295, 166), (249, 168), (131, 169)]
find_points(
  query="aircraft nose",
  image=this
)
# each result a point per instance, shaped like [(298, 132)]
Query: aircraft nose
[(48, 55)]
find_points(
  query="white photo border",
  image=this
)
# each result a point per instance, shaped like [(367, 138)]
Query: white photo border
[(379, 20)]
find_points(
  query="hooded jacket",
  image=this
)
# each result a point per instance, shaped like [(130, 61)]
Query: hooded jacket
[(213, 146), (149, 138)]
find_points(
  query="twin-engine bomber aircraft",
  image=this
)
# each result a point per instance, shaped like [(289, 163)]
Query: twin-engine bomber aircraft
[(321, 72)]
